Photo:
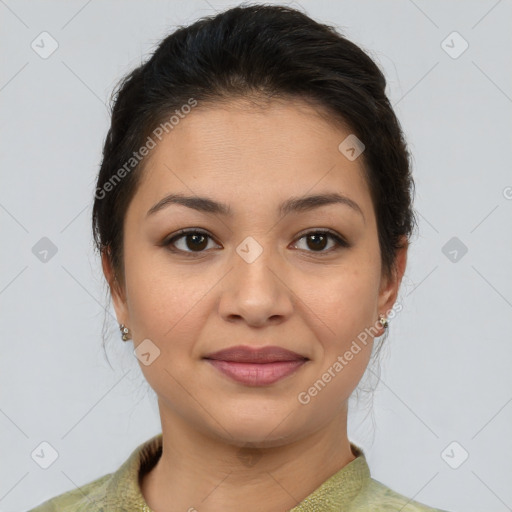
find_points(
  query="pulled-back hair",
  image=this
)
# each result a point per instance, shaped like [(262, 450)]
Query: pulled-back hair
[(256, 51)]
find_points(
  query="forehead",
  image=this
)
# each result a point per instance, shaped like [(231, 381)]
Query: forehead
[(243, 152)]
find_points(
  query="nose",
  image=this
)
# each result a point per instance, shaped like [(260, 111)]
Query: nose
[(256, 291)]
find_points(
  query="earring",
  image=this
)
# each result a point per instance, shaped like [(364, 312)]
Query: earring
[(383, 321), (125, 332)]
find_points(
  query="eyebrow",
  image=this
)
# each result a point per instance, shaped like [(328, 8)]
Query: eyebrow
[(293, 204)]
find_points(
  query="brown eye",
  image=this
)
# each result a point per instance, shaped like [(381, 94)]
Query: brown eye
[(317, 241), (190, 241), (196, 242)]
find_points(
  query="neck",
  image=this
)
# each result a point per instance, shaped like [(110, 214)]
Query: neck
[(196, 471)]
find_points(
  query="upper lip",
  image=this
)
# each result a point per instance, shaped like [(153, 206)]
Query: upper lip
[(245, 354)]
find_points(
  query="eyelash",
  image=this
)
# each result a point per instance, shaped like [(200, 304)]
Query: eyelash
[(341, 243)]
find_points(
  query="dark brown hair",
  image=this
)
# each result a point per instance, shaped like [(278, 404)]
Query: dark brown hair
[(249, 52)]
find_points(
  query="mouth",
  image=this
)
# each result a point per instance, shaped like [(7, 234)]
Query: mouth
[(256, 366)]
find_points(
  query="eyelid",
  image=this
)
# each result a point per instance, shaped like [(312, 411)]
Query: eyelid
[(326, 231), (182, 232), (340, 241)]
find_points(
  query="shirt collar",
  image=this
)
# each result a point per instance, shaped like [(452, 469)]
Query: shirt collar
[(336, 493)]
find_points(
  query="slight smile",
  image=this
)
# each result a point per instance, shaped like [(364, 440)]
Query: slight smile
[(256, 366)]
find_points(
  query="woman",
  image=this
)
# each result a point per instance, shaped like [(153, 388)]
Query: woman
[(253, 212)]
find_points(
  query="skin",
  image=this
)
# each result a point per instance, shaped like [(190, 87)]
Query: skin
[(225, 444)]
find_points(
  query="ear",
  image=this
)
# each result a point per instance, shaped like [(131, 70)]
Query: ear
[(116, 290), (390, 285)]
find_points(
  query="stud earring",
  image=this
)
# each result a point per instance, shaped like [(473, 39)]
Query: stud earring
[(383, 321), (125, 332)]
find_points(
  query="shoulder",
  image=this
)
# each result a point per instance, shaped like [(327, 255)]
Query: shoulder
[(377, 497), (118, 490), (90, 496)]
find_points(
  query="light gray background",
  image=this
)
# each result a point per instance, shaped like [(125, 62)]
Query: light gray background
[(446, 369)]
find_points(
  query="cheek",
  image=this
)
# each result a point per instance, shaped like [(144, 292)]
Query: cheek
[(345, 301), (171, 316), (164, 302), (346, 309)]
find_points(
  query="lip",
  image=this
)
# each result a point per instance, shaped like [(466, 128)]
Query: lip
[(246, 354), (256, 366)]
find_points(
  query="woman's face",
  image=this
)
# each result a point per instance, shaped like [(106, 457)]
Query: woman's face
[(262, 275)]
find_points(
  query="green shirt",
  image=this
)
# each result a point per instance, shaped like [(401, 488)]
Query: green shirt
[(351, 489)]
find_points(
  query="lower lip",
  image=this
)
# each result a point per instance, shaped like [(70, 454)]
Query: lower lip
[(257, 374)]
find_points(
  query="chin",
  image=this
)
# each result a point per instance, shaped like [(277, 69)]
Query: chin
[(254, 427)]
